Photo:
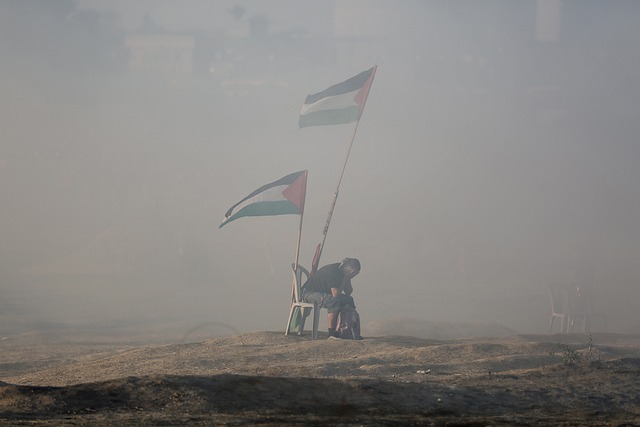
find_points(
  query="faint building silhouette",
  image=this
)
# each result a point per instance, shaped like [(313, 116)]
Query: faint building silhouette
[(163, 54)]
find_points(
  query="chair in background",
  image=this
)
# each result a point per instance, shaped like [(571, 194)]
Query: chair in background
[(581, 309), (300, 310), (559, 297)]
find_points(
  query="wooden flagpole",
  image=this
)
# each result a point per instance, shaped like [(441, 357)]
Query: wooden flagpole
[(335, 194), (295, 265), (298, 243), (297, 258)]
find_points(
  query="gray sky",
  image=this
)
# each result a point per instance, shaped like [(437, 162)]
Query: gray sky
[(497, 154)]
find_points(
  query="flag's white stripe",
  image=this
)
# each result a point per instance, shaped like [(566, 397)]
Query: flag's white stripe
[(331, 103), (271, 195)]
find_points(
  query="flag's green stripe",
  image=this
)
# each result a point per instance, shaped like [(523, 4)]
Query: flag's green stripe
[(337, 102), (280, 207), (272, 194), (287, 180), (330, 117)]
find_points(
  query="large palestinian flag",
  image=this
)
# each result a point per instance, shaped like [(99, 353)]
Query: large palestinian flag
[(339, 104)]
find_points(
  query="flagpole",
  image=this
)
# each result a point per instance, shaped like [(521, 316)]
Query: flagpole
[(297, 258), (298, 243), (295, 265), (335, 194)]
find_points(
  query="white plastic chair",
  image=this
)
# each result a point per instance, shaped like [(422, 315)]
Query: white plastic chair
[(299, 307), (581, 309)]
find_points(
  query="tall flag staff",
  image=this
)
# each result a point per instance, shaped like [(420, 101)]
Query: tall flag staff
[(339, 104)]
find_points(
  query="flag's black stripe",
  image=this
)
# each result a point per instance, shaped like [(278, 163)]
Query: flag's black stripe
[(346, 86), (289, 179)]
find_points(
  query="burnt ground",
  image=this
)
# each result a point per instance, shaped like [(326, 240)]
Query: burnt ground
[(270, 378)]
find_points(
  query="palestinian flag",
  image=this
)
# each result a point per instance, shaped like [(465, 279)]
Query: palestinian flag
[(281, 197), (341, 103)]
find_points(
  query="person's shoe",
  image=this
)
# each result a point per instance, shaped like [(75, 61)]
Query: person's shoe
[(333, 333)]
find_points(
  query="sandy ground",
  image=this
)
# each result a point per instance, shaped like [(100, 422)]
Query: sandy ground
[(490, 377)]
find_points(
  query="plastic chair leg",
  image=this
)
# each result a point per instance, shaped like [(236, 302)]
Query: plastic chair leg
[(291, 312), (316, 321)]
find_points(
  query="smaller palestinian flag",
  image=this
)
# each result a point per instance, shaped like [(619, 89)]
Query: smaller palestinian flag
[(282, 197), (341, 103)]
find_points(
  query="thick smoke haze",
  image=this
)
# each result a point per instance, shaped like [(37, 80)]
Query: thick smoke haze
[(498, 153)]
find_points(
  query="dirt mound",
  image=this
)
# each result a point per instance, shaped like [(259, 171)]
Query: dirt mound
[(435, 330), (269, 377)]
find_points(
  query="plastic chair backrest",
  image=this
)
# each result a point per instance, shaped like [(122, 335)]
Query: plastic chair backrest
[(298, 280)]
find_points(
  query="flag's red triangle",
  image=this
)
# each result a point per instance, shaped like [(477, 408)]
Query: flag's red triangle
[(363, 93), (297, 191)]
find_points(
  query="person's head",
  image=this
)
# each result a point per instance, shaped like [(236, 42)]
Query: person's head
[(350, 267)]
